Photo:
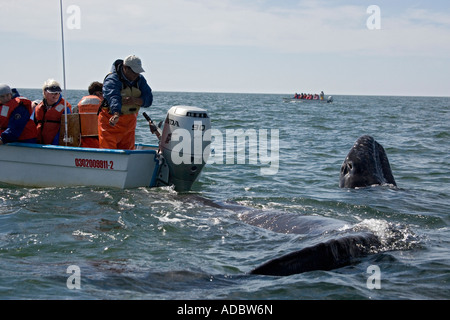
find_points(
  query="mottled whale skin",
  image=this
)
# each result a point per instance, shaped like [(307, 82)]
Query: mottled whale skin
[(333, 254), (290, 223), (329, 255), (366, 165)]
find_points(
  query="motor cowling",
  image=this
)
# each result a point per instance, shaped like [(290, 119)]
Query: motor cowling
[(185, 144)]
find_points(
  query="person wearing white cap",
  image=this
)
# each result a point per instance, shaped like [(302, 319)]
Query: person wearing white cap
[(15, 122), (47, 114), (125, 91)]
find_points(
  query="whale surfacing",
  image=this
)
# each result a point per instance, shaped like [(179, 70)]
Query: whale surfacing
[(366, 165), (333, 254)]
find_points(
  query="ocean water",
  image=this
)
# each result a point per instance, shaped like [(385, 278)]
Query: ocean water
[(156, 244)]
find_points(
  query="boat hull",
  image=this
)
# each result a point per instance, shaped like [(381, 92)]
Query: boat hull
[(305, 100), (36, 165)]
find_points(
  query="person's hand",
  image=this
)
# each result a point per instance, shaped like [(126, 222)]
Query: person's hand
[(153, 128), (114, 119)]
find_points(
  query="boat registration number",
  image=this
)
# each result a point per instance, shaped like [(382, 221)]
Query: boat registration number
[(97, 164)]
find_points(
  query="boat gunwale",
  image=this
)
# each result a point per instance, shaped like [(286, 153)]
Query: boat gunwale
[(87, 150)]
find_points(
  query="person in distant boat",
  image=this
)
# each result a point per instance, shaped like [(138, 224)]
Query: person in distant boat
[(15, 122), (125, 91), (88, 108), (47, 114), (322, 95)]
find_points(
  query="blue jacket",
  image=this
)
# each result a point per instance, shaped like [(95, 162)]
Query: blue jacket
[(112, 87), (17, 122)]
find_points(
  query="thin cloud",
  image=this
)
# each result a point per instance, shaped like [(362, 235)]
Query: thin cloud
[(308, 27), (204, 45)]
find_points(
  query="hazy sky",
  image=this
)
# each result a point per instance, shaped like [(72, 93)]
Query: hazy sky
[(255, 46)]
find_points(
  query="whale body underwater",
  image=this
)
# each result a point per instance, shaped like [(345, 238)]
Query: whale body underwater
[(365, 165)]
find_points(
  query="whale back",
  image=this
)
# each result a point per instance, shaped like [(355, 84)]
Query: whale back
[(328, 255)]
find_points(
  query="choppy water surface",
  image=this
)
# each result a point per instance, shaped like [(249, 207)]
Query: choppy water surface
[(157, 244)]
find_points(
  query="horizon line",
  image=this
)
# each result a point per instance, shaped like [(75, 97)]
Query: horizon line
[(274, 93)]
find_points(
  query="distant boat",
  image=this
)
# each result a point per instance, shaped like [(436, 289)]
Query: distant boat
[(36, 165), (328, 100)]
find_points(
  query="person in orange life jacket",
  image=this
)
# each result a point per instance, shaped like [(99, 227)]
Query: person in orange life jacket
[(88, 109), (125, 90), (47, 114), (15, 122)]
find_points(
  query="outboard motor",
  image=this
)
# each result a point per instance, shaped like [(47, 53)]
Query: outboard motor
[(185, 144)]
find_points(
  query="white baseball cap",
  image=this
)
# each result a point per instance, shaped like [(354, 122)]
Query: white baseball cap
[(134, 63)]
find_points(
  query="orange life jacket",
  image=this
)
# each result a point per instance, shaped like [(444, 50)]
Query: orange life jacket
[(29, 132), (48, 121), (89, 104), (88, 110)]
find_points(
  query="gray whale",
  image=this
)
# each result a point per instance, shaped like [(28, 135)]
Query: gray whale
[(333, 254), (366, 165)]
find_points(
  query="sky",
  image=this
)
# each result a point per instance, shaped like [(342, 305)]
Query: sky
[(244, 46)]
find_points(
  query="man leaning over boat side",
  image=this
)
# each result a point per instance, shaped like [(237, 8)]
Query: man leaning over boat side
[(15, 122), (47, 114), (125, 91)]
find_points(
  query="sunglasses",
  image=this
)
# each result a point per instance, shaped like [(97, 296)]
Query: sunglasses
[(53, 89)]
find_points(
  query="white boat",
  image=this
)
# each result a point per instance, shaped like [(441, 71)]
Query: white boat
[(37, 165)]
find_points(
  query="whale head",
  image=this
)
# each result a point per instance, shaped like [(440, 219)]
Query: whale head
[(365, 165)]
